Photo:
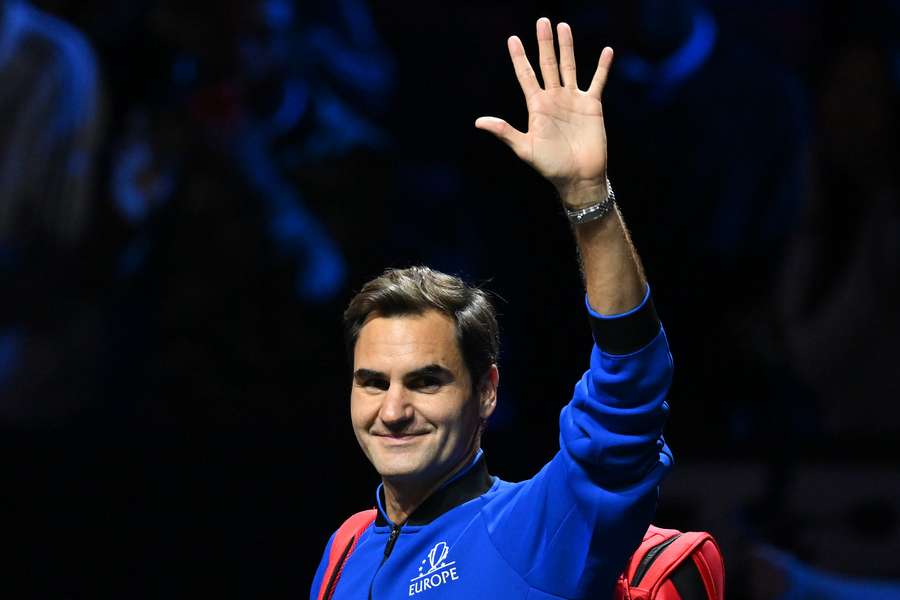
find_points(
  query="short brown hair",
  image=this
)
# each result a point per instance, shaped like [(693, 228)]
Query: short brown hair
[(413, 291)]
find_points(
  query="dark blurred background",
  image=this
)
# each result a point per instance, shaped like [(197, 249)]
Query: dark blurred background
[(191, 193)]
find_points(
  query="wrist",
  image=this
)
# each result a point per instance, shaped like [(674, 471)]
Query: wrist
[(583, 193)]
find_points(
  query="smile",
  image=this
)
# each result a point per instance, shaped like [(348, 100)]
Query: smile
[(395, 440)]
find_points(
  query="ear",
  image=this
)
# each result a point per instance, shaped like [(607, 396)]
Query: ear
[(487, 392)]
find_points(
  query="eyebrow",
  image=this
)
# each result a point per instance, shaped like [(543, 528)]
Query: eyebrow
[(432, 370), (363, 374)]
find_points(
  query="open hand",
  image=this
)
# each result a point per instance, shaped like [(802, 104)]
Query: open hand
[(566, 138)]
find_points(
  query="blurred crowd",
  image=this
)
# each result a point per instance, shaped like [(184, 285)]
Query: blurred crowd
[(189, 197)]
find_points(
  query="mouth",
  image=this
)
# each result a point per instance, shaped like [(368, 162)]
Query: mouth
[(394, 439)]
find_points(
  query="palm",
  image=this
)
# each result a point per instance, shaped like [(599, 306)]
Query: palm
[(566, 135), (566, 138)]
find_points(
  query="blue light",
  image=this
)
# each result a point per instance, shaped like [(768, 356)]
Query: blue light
[(184, 70), (10, 344), (685, 61), (295, 231), (132, 197), (294, 104), (278, 14)]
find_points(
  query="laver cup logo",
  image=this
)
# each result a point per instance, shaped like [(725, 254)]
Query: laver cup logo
[(434, 571)]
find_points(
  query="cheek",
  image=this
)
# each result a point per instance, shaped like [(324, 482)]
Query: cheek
[(453, 412), (361, 410)]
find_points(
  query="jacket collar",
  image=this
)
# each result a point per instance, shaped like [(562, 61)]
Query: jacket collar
[(472, 481)]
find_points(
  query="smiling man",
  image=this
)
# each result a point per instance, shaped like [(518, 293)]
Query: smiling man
[(424, 348), (416, 410)]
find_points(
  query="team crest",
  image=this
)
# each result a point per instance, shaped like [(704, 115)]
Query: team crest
[(434, 570)]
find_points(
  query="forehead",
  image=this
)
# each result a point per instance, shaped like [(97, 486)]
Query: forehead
[(407, 341)]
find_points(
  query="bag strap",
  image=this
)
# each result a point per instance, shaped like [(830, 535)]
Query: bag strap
[(343, 545), (689, 553), (690, 561), (705, 571), (654, 540)]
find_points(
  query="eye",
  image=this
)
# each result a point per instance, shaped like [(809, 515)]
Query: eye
[(376, 383), (427, 384)]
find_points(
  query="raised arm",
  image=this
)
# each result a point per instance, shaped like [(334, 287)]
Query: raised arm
[(589, 507), (566, 143)]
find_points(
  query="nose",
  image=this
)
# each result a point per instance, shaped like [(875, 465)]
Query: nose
[(396, 410)]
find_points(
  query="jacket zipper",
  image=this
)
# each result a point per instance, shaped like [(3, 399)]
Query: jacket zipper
[(648, 559), (389, 547)]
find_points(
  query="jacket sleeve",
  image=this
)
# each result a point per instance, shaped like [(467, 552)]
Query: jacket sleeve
[(320, 571), (569, 530)]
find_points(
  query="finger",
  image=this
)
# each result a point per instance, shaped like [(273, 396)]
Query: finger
[(510, 136), (546, 54), (602, 72), (567, 56), (524, 73)]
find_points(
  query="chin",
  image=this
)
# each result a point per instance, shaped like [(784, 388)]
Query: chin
[(398, 469)]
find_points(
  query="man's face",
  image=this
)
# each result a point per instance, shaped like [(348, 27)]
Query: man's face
[(412, 404)]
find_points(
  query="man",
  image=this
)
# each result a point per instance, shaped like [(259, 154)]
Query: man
[(424, 348)]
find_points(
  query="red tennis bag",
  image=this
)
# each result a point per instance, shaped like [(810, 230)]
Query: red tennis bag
[(668, 565), (671, 565)]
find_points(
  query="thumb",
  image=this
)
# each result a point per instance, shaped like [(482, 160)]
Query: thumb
[(508, 134)]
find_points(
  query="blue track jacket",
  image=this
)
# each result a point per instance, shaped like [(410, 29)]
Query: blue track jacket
[(566, 532)]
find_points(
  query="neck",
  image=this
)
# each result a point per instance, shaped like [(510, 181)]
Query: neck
[(401, 498)]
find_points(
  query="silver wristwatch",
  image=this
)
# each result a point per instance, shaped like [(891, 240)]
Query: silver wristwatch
[(592, 212)]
